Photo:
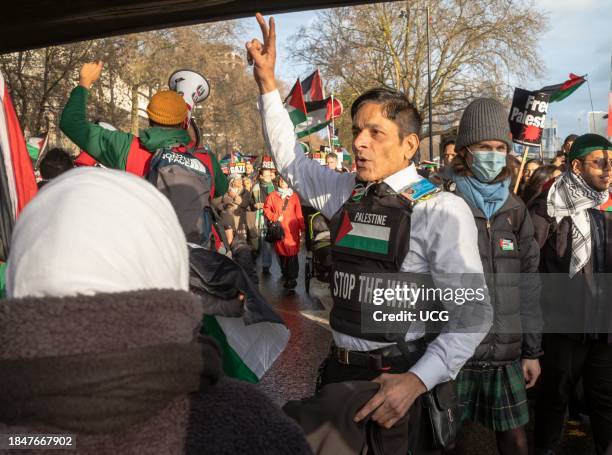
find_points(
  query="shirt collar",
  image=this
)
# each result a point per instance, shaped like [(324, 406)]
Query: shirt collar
[(401, 179)]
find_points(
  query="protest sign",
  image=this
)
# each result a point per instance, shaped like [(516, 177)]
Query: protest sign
[(319, 157), (267, 163), (238, 168), (527, 116)]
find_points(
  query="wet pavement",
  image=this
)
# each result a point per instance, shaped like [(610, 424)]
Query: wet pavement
[(294, 373)]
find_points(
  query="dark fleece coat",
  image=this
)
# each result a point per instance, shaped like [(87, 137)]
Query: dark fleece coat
[(221, 416)]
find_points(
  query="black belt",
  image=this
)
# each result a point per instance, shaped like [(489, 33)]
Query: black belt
[(373, 360)]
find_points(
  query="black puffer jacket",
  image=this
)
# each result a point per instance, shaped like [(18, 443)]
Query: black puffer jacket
[(507, 249), (568, 304)]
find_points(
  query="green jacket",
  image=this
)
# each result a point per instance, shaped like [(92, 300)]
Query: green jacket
[(124, 151)]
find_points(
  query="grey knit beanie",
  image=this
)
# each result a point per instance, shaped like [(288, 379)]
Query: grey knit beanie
[(485, 119)]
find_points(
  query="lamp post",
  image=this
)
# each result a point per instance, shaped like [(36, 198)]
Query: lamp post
[(429, 89), (404, 14)]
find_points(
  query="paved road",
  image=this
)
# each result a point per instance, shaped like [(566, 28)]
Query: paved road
[(294, 373)]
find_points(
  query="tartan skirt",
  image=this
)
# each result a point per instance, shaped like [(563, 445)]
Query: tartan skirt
[(493, 396)]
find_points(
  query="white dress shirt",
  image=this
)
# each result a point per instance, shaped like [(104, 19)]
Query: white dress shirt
[(443, 240)]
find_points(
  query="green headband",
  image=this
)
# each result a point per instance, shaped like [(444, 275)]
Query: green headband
[(586, 144)]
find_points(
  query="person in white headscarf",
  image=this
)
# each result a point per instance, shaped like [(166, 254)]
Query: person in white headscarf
[(99, 336), (76, 239)]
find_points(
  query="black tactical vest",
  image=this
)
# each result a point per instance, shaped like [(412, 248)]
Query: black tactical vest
[(370, 234)]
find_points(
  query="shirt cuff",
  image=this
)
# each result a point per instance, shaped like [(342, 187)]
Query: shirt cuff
[(431, 370), (271, 102)]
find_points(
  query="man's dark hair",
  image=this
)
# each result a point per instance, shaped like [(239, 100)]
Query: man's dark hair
[(396, 107), (534, 187), (448, 140), (570, 138), (55, 162), (332, 155)]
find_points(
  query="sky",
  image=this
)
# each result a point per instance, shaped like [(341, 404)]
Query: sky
[(577, 41)]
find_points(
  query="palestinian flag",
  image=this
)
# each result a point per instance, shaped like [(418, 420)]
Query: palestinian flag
[(607, 206), (248, 350), (295, 105), (37, 148), (17, 181), (370, 238), (320, 115), (559, 92), (312, 87), (250, 342)]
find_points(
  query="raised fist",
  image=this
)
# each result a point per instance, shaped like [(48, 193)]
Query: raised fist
[(90, 73)]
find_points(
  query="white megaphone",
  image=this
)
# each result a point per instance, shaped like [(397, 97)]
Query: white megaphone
[(192, 85), (195, 88)]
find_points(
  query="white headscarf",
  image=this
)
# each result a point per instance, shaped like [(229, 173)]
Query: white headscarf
[(96, 230)]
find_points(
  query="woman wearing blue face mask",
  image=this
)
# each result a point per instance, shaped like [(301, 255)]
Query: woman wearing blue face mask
[(492, 385)]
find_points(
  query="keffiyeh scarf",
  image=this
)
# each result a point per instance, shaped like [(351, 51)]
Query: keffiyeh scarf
[(285, 192), (571, 196)]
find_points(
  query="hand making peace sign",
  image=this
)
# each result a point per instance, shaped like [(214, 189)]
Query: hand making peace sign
[(263, 56)]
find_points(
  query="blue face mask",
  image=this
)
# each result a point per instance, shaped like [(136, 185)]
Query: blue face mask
[(487, 164)]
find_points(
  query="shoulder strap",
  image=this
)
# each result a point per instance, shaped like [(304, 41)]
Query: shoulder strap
[(285, 205), (216, 219)]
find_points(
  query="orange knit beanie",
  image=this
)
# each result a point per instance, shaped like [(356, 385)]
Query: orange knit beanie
[(167, 108)]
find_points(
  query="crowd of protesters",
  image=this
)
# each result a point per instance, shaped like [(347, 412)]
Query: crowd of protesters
[(99, 265)]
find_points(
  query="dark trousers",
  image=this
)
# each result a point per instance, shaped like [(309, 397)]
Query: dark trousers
[(565, 360), (290, 267), (419, 435)]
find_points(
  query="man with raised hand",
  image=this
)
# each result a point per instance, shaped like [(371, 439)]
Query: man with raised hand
[(202, 178), (433, 235)]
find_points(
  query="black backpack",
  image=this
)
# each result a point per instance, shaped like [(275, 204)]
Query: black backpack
[(186, 182)]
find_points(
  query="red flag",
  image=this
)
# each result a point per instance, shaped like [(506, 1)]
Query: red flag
[(22, 183), (334, 108)]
